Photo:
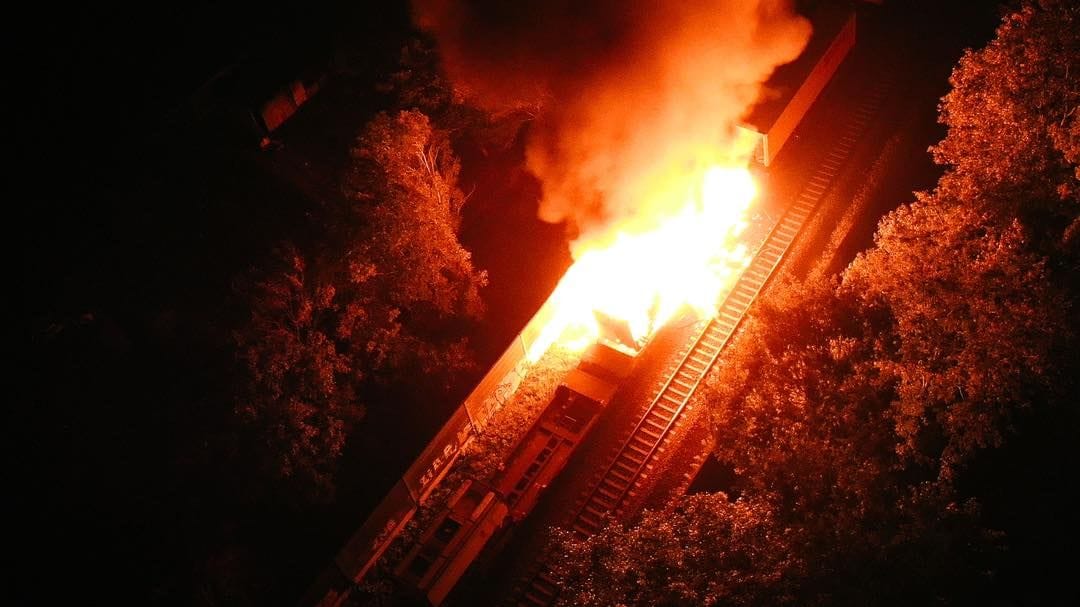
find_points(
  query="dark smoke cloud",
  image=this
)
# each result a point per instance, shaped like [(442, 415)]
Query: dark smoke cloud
[(633, 90)]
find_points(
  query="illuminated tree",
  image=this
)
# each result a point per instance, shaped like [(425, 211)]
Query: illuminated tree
[(975, 322), (804, 409), (704, 551), (299, 388), (380, 302), (420, 83), (854, 411), (1013, 140)]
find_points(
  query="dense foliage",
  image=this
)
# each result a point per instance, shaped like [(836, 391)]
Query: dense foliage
[(301, 387), (706, 551), (405, 217), (860, 413), (372, 304), (1014, 129), (201, 353)]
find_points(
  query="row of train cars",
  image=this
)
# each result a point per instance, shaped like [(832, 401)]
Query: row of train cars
[(482, 509)]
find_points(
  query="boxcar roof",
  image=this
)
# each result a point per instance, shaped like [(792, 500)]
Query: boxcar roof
[(778, 90), (589, 386)]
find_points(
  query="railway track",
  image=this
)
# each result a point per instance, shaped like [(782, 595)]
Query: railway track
[(608, 495)]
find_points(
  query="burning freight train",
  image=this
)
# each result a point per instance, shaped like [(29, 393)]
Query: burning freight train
[(607, 307), (650, 169)]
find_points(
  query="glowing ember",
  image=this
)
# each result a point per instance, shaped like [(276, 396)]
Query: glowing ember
[(646, 276)]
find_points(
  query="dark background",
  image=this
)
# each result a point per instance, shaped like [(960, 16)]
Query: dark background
[(140, 194)]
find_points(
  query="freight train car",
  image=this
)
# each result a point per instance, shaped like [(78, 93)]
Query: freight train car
[(475, 512), (577, 404), (452, 541)]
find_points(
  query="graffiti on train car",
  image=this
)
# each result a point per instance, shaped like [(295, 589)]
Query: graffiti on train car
[(440, 453)]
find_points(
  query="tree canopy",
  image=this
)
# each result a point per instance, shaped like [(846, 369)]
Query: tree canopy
[(373, 302), (705, 551), (301, 389), (1013, 141), (403, 183)]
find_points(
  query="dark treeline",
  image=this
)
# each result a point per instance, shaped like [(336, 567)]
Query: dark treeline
[(226, 343), (233, 351)]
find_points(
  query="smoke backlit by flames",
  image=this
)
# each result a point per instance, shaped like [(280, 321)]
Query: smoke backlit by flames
[(634, 137), (645, 277)]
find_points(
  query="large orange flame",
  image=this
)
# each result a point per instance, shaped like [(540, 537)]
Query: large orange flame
[(644, 276)]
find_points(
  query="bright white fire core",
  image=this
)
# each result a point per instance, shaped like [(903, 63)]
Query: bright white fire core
[(645, 276)]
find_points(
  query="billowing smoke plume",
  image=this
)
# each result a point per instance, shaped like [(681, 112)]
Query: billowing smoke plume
[(634, 91)]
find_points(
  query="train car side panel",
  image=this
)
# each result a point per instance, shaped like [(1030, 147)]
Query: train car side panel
[(452, 541)]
